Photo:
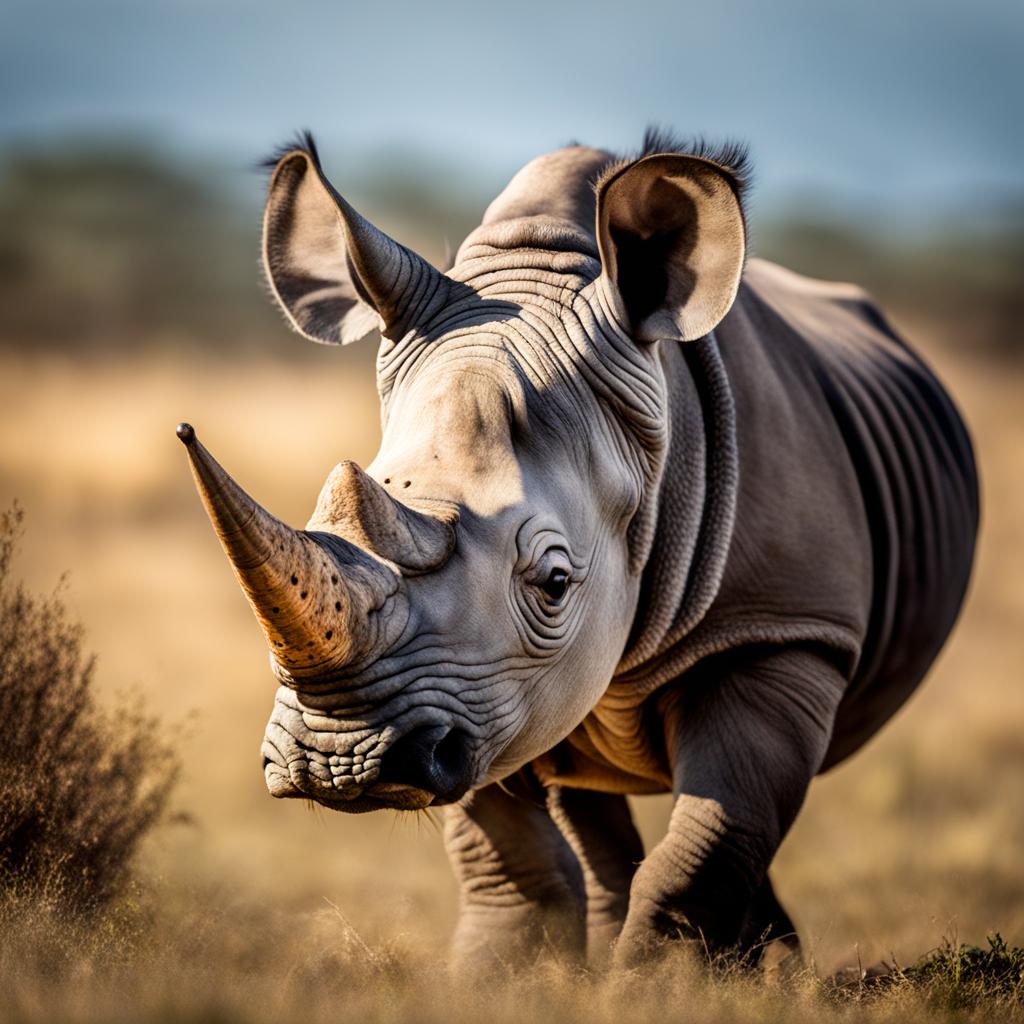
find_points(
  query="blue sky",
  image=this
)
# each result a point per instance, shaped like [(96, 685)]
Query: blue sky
[(885, 106)]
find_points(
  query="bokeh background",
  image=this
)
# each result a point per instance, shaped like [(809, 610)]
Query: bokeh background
[(888, 150)]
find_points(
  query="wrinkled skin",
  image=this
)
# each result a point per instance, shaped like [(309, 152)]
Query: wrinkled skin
[(636, 525)]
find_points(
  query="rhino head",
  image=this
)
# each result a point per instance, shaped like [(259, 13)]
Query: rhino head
[(459, 607)]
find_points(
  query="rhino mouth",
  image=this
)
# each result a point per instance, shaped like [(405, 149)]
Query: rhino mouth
[(407, 765), (376, 798)]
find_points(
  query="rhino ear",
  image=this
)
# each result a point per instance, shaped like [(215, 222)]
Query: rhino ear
[(336, 276), (673, 241)]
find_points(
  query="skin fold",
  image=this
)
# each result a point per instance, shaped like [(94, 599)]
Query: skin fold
[(647, 516)]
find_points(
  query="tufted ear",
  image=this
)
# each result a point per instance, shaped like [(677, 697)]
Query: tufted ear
[(672, 240), (335, 275)]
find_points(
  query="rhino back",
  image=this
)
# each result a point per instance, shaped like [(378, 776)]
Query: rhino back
[(857, 505)]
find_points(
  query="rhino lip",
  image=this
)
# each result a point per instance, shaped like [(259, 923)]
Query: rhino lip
[(377, 797)]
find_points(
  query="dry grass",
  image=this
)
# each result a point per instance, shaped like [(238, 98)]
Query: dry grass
[(914, 842), (216, 957)]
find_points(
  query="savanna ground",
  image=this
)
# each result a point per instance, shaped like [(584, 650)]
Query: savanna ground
[(246, 908)]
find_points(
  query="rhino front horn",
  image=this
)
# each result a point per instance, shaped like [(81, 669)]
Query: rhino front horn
[(313, 593)]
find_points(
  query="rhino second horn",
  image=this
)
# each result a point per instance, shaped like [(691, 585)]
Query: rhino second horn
[(354, 506), (312, 596)]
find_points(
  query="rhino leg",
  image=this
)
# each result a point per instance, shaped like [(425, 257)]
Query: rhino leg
[(599, 827), (521, 887), (745, 737), (768, 938)]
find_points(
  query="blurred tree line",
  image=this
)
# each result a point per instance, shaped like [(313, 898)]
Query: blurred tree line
[(121, 246), (118, 247)]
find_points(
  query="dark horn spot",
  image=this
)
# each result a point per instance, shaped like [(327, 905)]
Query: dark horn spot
[(337, 606), (329, 634), (295, 580), (304, 594), (406, 483)]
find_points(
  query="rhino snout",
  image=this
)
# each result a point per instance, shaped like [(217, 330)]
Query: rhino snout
[(408, 766)]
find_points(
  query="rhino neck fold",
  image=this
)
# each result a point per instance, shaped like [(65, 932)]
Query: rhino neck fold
[(698, 487)]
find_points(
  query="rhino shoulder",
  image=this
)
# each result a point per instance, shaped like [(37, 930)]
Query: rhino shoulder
[(800, 555), (809, 300)]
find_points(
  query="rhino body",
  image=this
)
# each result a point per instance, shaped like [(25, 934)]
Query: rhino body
[(647, 517)]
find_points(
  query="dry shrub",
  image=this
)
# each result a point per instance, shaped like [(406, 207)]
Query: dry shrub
[(79, 785), (955, 978)]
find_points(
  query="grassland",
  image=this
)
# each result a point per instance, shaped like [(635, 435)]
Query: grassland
[(247, 908)]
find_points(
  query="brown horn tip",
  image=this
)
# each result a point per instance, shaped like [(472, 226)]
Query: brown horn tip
[(313, 600), (186, 433)]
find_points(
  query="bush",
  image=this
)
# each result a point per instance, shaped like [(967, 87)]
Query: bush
[(79, 786)]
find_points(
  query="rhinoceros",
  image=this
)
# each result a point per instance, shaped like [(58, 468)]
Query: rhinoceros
[(647, 516)]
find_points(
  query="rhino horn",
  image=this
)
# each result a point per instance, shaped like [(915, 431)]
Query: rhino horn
[(355, 506), (312, 593)]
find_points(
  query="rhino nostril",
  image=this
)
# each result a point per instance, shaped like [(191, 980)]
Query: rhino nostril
[(434, 758), (452, 753)]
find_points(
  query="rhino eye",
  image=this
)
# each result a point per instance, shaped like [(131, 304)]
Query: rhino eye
[(556, 584)]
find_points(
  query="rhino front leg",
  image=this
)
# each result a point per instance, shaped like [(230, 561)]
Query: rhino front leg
[(745, 740), (768, 937), (599, 827), (521, 887)]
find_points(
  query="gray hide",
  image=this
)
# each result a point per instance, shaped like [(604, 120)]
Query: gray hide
[(645, 518)]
